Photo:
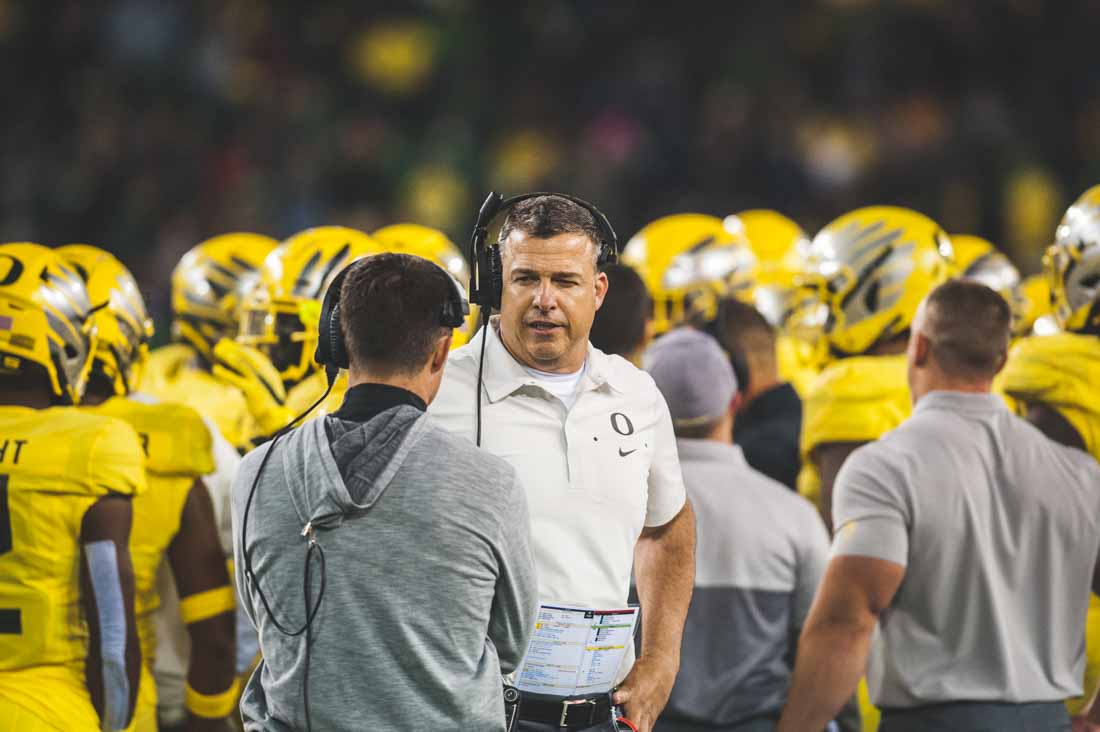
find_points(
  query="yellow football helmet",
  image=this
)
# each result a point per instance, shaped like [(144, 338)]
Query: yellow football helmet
[(977, 259), (1072, 265), (873, 266), (281, 314), (207, 285), (777, 241), (779, 245), (122, 323), (432, 244), (689, 261), (426, 242), (1039, 316), (45, 318)]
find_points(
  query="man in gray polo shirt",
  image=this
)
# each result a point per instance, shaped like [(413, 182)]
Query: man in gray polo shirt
[(969, 537), (760, 553)]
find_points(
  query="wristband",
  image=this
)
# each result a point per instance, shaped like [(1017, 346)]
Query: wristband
[(211, 706), (203, 605)]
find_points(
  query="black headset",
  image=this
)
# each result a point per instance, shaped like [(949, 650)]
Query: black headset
[(487, 272), (332, 352), (333, 355)]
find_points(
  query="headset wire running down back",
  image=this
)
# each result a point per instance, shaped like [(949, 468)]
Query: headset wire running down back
[(332, 354), (313, 546)]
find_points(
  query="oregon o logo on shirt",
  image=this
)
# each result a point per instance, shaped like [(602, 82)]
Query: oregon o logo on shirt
[(622, 424)]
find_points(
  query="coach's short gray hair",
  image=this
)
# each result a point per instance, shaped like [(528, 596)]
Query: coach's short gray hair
[(548, 216)]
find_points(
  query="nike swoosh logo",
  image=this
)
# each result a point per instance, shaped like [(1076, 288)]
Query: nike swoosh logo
[(624, 454)]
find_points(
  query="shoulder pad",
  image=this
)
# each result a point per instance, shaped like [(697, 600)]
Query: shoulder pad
[(1062, 371), (174, 437), (855, 400)]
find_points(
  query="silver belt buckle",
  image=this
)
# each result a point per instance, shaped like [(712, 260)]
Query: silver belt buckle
[(566, 704)]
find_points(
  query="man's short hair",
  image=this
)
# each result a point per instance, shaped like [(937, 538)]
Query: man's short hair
[(739, 325), (746, 335), (619, 326), (544, 217), (968, 325), (390, 311)]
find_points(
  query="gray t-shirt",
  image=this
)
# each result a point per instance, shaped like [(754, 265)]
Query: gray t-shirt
[(760, 553), (997, 528)]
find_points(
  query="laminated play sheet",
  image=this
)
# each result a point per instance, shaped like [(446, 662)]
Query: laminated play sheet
[(576, 650)]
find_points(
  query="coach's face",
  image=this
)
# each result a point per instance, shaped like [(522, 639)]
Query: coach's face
[(551, 294)]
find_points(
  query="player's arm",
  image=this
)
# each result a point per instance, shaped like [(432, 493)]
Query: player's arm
[(1052, 424), (258, 380), (830, 457), (113, 666), (206, 607)]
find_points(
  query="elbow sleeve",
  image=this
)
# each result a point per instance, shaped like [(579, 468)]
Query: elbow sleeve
[(102, 561)]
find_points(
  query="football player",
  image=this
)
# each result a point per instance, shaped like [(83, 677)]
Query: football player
[(174, 520), (206, 290), (874, 265), (1039, 316), (1053, 379), (279, 319), (689, 261), (977, 259), (69, 650), (780, 246), (432, 244)]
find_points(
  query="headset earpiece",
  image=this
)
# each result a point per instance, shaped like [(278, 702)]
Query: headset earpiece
[(487, 278), (337, 347), (454, 311), (496, 274), (331, 351), (491, 269)]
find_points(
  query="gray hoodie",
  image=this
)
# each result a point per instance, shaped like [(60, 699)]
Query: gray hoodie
[(429, 584)]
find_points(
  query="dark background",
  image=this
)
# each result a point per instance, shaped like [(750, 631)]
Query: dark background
[(145, 126)]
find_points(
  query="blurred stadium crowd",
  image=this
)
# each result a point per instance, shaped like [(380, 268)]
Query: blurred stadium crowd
[(245, 115)]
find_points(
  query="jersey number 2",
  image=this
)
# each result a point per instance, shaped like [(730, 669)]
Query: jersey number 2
[(11, 622)]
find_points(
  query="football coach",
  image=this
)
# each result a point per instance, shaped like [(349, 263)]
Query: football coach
[(387, 553), (591, 438), (969, 538)]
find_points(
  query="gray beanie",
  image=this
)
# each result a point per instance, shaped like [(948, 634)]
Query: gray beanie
[(694, 375)]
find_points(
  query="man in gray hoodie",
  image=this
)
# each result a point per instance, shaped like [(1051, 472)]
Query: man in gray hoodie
[(408, 546)]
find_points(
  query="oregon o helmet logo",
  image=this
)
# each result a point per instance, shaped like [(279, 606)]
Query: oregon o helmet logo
[(622, 424)]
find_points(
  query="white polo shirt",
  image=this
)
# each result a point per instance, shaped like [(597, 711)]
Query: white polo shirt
[(595, 475)]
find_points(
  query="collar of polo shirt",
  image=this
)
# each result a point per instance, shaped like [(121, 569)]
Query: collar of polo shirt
[(504, 375)]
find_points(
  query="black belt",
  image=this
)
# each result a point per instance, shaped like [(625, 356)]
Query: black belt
[(573, 713)]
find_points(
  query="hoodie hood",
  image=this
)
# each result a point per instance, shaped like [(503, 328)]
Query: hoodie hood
[(341, 468)]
